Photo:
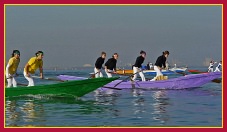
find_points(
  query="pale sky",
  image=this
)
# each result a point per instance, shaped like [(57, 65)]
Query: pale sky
[(76, 35)]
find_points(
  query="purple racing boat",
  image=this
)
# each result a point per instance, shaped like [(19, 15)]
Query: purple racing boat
[(188, 81), (68, 77)]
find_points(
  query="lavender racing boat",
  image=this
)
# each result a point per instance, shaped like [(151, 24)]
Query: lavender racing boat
[(188, 81)]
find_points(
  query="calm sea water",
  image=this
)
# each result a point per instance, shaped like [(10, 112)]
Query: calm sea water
[(194, 107)]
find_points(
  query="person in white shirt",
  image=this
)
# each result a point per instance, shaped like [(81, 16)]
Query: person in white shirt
[(211, 66), (219, 66)]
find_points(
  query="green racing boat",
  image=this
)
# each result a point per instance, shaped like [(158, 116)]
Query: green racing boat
[(76, 88)]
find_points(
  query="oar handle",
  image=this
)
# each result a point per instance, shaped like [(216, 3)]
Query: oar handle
[(52, 79), (12, 76), (93, 75)]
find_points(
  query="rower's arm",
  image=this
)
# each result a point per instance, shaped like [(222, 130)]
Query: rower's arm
[(164, 64), (41, 70), (7, 70), (16, 69), (10, 63)]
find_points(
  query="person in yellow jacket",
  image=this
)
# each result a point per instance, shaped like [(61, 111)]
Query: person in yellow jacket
[(33, 64), (11, 68)]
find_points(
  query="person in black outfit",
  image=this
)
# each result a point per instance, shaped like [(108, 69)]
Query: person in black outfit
[(137, 66), (110, 65), (160, 64), (98, 65)]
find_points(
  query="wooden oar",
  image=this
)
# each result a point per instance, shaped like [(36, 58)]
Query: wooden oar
[(216, 80), (112, 88), (119, 74), (127, 78), (21, 84), (121, 81), (147, 79), (93, 75), (52, 79)]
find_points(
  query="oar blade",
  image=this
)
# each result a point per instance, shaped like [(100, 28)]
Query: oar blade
[(112, 88), (216, 80)]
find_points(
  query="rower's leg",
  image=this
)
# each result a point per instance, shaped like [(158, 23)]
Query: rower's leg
[(135, 69), (100, 74), (9, 81), (108, 74), (158, 73), (96, 74), (142, 76), (212, 70), (30, 80), (14, 82)]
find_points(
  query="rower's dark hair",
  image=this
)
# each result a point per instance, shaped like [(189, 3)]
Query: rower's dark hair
[(15, 51), (142, 52), (103, 53), (165, 52), (37, 53), (115, 54)]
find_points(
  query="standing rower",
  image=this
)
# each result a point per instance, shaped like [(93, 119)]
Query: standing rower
[(33, 64), (98, 65), (211, 66), (160, 64), (137, 66), (11, 68), (110, 65), (219, 66)]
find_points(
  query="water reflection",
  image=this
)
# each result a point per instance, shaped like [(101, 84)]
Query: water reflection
[(31, 111), (105, 96), (138, 103), (108, 99), (35, 111), (160, 106), (11, 113), (23, 111), (136, 92)]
